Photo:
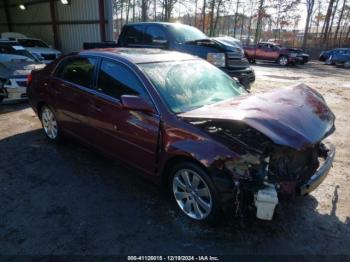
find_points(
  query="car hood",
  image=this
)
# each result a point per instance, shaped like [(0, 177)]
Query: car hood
[(230, 43), (295, 116), (42, 50), (220, 43)]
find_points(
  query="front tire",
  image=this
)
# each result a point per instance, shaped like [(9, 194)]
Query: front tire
[(282, 61), (50, 124), (194, 192)]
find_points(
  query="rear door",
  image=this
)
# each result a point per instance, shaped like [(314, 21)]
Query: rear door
[(72, 85), (131, 136)]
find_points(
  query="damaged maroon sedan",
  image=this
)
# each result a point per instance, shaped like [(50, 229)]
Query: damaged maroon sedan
[(188, 126)]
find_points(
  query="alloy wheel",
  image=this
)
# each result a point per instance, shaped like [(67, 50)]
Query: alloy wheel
[(283, 61), (192, 194), (49, 123)]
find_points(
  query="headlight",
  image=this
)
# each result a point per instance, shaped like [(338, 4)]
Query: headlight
[(293, 54), (217, 59)]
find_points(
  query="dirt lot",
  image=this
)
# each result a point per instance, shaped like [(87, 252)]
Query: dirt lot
[(66, 199)]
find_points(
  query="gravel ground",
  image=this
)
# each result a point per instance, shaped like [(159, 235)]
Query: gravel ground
[(65, 199)]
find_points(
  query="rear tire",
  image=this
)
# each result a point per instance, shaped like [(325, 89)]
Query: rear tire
[(347, 64), (50, 124), (194, 193)]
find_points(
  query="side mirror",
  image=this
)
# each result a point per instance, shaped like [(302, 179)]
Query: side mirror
[(136, 103)]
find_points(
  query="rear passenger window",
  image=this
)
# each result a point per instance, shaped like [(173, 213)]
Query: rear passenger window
[(133, 35), (77, 70), (115, 80), (154, 35)]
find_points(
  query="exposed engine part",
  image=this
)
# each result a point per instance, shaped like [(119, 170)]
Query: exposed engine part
[(237, 202), (263, 161), (237, 134)]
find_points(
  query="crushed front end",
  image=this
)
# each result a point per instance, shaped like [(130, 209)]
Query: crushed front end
[(266, 173)]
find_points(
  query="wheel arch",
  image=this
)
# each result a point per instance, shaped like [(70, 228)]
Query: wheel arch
[(39, 106), (172, 162)]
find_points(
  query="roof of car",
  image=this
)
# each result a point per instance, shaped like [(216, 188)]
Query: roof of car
[(270, 43), (154, 23), (141, 55)]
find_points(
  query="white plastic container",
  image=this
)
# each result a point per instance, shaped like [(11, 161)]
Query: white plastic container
[(265, 201)]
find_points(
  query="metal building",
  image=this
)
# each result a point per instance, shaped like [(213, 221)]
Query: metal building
[(64, 24)]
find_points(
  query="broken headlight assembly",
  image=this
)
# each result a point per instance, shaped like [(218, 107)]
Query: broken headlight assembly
[(248, 166)]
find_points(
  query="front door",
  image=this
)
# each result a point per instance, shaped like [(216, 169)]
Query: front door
[(131, 136)]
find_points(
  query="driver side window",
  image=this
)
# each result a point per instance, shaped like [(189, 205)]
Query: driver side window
[(115, 80)]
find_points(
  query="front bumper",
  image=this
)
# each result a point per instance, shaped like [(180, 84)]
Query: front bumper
[(320, 174), (295, 60), (245, 76), (303, 59)]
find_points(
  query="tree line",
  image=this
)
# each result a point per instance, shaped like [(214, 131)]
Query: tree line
[(327, 22)]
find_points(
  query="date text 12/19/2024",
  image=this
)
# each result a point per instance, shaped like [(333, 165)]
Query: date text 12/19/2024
[(173, 258)]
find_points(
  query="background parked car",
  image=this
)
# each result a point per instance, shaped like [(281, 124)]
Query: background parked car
[(267, 51), (16, 63), (325, 55), (341, 58), (37, 47), (40, 49)]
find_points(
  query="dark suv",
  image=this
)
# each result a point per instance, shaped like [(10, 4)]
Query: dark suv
[(223, 52)]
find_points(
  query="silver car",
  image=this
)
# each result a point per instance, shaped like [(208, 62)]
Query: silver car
[(16, 63), (40, 49)]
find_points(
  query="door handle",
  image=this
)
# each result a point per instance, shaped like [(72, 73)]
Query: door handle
[(97, 108), (57, 92)]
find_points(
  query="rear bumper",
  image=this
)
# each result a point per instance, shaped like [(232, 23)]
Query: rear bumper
[(13, 91), (320, 174)]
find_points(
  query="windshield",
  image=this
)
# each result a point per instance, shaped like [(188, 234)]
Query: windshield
[(32, 43), (185, 33), (187, 85)]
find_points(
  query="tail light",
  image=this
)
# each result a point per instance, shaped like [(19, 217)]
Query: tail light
[(29, 79)]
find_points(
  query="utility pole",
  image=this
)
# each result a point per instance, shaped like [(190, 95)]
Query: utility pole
[(236, 14), (258, 23)]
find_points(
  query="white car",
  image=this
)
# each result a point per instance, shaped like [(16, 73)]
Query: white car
[(16, 63)]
